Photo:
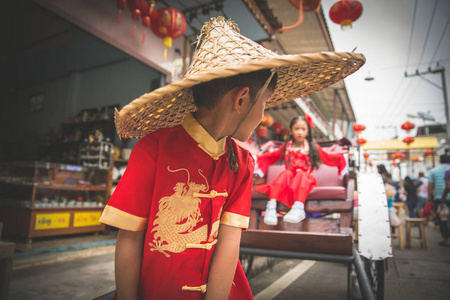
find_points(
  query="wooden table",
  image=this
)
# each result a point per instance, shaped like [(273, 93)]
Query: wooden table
[(6, 263)]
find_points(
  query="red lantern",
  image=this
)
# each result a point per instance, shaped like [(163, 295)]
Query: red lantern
[(407, 126), (147, 7), (408, 140), (428, 152), (358, 128), (277, 126), (394, 163), (261, 131), (361, 141), (370, 164), (416, 159), (267, 120), (397, 155), (366, 156), (345, 12), (170, 24)]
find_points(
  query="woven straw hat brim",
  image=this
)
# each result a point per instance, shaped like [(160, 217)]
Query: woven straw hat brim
[(298, 76)]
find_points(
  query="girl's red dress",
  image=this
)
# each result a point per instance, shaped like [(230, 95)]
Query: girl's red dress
[(295, 182)]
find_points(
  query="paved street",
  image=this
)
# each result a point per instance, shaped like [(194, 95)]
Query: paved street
[(412, 274)]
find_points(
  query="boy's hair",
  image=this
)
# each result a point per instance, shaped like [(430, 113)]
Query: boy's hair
[(314, 158), (208, 94)]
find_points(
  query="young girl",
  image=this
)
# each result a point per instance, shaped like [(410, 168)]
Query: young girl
[(292, 186)]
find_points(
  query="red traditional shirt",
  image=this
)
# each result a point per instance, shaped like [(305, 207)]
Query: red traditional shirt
[(178, 186)]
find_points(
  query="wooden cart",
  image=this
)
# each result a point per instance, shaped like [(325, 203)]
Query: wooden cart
[(363, 243)]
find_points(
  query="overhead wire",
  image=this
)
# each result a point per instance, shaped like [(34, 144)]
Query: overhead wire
[(393, 98), (411, 34), (440, 39), (402, 100), (428, 32)]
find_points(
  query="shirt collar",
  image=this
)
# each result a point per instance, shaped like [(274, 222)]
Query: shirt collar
[(205, 141)]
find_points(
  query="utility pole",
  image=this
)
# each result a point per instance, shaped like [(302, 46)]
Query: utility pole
[(438, 69)]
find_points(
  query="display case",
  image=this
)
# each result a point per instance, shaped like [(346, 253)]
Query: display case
[(97, 155), (44, 199)]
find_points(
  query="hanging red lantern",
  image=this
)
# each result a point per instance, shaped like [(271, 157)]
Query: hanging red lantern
[(121, 5), (394, 163), (361, 141), (170, 24), (397, 155), (370, 164), (428, 152), (416, 159), (358, 128), (407, 126), (261, 131), (266, 121), (345, 12), (277, 126), (408, 140), (366, 156), (147, 7)]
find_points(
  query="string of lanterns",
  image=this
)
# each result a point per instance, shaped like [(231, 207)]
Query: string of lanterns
[(167, 23)]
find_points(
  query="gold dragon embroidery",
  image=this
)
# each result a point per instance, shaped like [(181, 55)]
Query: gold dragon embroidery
[(177, 217)]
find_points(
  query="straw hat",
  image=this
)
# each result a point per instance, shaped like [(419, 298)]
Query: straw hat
[(224, 52)]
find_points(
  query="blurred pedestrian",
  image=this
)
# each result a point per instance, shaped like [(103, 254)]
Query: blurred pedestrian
[(436, 188), (411, 196), (422, 192), (385, 175)]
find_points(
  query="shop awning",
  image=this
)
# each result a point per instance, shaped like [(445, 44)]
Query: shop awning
[(419, 143)]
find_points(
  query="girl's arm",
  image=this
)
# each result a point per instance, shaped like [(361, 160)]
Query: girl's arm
[(129, 249), (268, 158), (224, 262), (332, 160)]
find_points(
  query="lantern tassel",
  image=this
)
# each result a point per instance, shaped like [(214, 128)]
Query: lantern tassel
[(143, 37), (134, 30), (119, 17), (299, 21)]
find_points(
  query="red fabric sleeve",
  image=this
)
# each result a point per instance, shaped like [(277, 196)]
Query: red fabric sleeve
[(129, 206), (332, 160), (240, 199), (268, 158)]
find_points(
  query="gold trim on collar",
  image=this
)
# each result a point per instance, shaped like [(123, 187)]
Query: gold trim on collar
[(205, 141)]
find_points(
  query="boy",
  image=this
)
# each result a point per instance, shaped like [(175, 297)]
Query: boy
[(185, 197)]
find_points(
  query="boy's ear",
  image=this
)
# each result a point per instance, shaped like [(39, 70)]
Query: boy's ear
[(241, 98)]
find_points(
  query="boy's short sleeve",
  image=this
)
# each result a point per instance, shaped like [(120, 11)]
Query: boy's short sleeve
[(237, 209), (129, 206)]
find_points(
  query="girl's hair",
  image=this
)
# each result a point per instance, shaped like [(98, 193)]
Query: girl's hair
[(208, 94), (314, 158)]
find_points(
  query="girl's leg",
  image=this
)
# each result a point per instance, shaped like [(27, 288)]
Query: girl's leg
[(270, 217), (302, 184), (296, 214)]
